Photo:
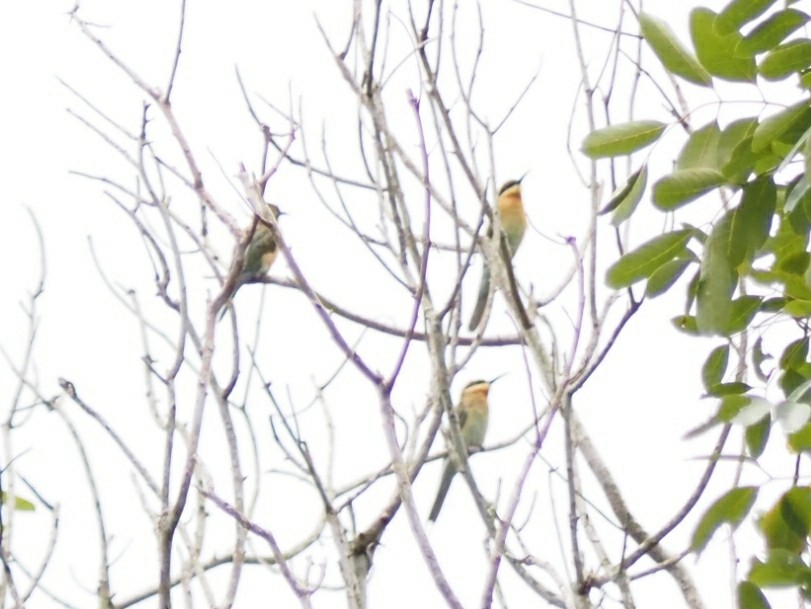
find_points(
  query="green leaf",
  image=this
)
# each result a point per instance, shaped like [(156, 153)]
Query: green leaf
[(685, 323), (753, 412), (757, 436), (736, 242), (795, 353), (716, 50), (742, 162), (778, 124), (621, 193), (692, 291), (742, 313), (772, 305), (772, 31), (792, 139), (751, 597), (699, 234), (732, 135), (622, 139), (717, 281), (795, 264), (753, 217), (715, 366), (736, 157), (796, 218), (740, 12), (731, 406), (673, 55), (786, 59), (791, 237), (800, 440), (789, 156), (730, 509), (782, 568), (681, 187), (643, 261), (701, 148), (793, 286), (788, 381), (796, 194), (799, 398), (798, 309), (666, 275), (806, 143), (618, 196), (786, 525), (767, 162), (632, 198), (806, 274), (20, 504), (720, 390)]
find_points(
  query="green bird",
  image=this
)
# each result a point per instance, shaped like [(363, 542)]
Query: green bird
[(513, 218), (473, 414), (260, 254)]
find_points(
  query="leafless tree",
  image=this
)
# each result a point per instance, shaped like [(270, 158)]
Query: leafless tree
[(406, 203)]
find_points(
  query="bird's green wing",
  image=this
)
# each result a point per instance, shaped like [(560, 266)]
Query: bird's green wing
[(261, 243), (461, 414)]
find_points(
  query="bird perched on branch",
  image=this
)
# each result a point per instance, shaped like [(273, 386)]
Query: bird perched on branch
[(473, 414), (513, 218), (260, 253)]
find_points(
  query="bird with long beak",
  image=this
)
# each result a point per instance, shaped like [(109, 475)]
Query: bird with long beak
[(260, 254), (513, 219), (473, 414)]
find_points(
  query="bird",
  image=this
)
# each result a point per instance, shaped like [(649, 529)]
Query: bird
[(473, 414), (513, 226), (260, 254), (261, 251)]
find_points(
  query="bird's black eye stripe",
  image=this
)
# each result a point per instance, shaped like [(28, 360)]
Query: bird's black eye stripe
[(509, 185)]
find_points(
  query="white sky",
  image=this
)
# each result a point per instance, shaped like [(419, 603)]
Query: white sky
[(637, 406)]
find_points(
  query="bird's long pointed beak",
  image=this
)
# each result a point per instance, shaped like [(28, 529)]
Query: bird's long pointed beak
[(496, 378), (521, 179)]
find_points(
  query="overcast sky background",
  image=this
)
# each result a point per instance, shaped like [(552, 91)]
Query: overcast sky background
[(638, 406)]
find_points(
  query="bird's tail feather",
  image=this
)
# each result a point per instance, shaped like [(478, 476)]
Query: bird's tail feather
[(229, 304), (481, 302), (444, 485)]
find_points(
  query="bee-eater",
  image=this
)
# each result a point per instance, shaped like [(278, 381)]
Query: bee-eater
[(472, 412), (259, 255), (513, 226)]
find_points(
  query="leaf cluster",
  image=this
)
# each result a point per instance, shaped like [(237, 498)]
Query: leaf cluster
[(751, 266)]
